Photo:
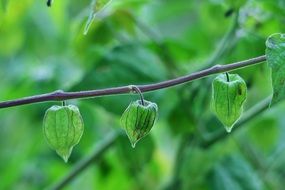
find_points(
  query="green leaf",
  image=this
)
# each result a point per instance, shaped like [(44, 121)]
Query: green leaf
[(138, 119), (63, 128), (234, 173), (96, 7), (228, 96), (275, 54), (4, 4)]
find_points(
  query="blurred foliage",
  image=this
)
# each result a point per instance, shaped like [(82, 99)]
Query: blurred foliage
[(138, 42)]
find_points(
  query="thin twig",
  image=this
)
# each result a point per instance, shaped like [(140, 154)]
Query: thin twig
[(60, 95), (137, 90)]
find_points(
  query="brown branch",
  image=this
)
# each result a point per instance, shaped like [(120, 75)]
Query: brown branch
[(60, 95)]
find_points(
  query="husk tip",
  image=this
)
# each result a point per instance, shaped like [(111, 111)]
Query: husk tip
[(228, 128), (133, 143), (65, 158), (64, 154)]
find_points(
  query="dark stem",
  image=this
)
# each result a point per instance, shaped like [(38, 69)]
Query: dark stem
[(49, 3), (137, 90), (227, 75), (63, 103), (60, 95)]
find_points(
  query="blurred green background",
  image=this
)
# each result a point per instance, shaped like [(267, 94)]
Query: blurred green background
[(139, 42)]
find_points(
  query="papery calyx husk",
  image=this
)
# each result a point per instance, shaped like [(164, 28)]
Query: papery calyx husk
[(138, 119), (228, 96), (63, 127)]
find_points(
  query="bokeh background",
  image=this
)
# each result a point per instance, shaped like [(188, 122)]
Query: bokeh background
[(139, 42)]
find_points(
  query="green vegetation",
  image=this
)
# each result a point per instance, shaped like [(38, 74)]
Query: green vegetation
[(138, 42)]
